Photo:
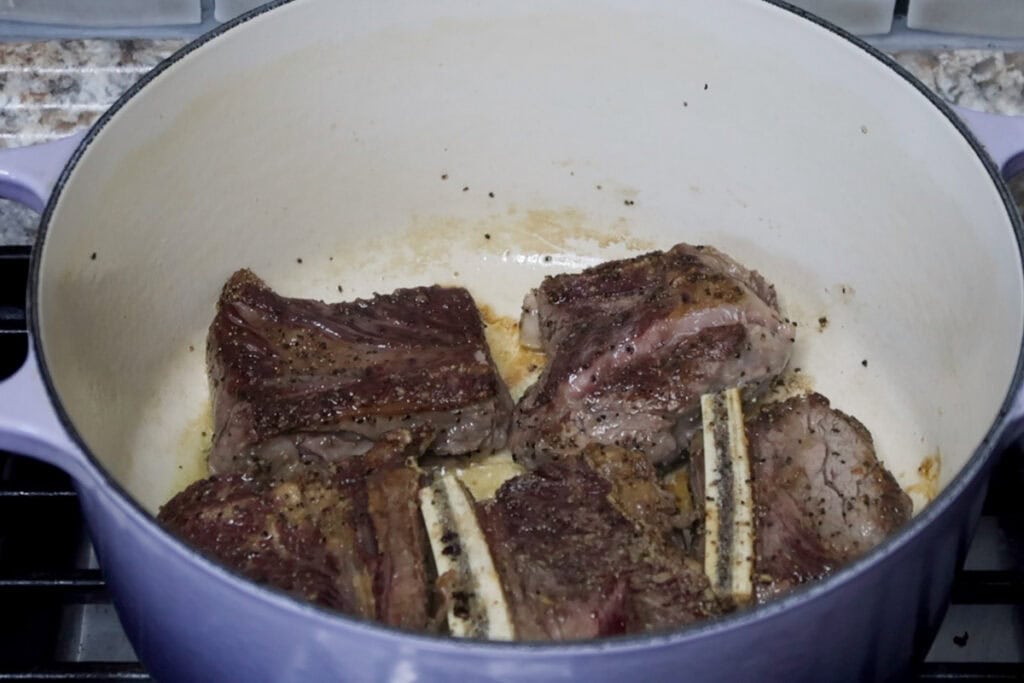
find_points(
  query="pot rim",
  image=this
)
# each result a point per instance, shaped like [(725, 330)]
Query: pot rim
[(704, 629)]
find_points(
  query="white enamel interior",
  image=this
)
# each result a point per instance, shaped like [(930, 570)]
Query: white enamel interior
[(321, 131)]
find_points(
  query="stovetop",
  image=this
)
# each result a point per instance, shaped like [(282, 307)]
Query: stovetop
[(57, 622), (56, 619)]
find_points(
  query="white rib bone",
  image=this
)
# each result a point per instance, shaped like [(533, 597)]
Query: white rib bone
[(728, 500), (460, 547)]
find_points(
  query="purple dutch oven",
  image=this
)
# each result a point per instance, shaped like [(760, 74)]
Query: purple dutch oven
[(320, 130)]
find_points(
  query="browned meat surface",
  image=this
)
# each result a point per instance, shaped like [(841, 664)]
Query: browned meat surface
[(632, 345), (301, 380), (584, 548), (821, 496), (346, 535)]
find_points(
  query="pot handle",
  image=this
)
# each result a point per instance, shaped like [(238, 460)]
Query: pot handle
[(28, 421), (29, 424), (1002, 137), (28, 174)]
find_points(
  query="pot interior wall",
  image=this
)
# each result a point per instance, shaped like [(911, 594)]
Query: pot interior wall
[(358, 144)]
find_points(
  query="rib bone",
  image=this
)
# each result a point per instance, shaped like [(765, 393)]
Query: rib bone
[(478, 608), (728, 502)]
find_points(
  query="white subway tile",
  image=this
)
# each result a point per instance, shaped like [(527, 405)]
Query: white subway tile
[(995, 18), (864, 17), (229, 9), (103, 13)]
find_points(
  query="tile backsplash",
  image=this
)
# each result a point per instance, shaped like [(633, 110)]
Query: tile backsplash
[(864, 17), (997, 18), (188, 18), (103, 13), (228, 9), (858, 16)]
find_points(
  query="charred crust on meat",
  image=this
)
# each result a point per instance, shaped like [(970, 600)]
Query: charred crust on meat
[(293, 369), (604, 332), (586, 547), (828, 488), (320, 532)]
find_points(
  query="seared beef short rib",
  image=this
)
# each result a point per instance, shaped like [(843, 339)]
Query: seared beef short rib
[(633, 344), (584, 547), (345, 535), (300, 380), (322, 410), (821, 496)]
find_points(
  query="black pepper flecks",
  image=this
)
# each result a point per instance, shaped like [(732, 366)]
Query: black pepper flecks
[(629, 202), (864, 362), (465, 188), (491, 195), (298, 260), (961, 640), (487, 235), (93, 256), (461, 604), (822, 323), (444, 176)]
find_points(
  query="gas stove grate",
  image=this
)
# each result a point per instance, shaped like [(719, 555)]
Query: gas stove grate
[(46, 574)]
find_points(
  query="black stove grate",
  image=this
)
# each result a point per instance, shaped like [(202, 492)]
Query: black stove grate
[(45, 575)]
